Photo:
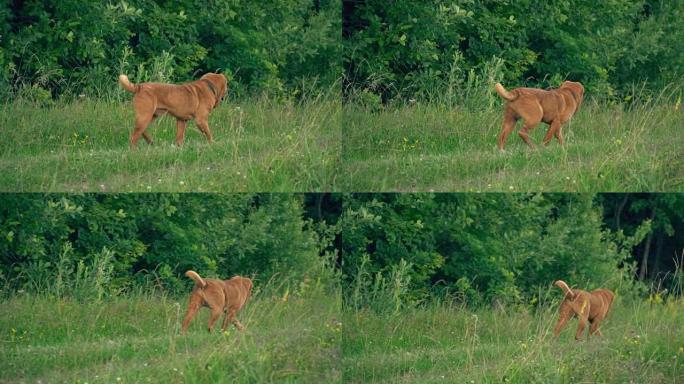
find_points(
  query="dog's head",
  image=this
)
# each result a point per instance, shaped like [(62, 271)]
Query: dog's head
[(220, 84), (577, 90), (244, 282)]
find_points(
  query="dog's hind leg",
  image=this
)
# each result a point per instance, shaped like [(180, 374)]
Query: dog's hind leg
[(580, 327), (230, 316), (508, 126), (141, 123), (524, 132), (146, 135), (193, 307), (594, 329), (565, 315), (215, 314), (226, 319), (147, 138)]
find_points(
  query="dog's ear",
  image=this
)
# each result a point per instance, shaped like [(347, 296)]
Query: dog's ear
[(223, 88), (580, 98), (219, 82), (577, 90), (247, 283)]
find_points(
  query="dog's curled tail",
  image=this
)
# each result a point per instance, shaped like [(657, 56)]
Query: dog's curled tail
[(198, 279), (127, 85), (504, 93), (562, 285)]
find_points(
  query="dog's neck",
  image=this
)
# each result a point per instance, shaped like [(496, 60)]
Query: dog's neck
[(211, 87), (574, 95)]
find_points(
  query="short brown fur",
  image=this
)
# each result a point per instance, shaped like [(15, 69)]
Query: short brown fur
[(554, 107), (589, 307), (194, 100), (220, 296)]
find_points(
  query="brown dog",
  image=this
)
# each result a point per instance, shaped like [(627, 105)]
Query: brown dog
[(554, 107), (188, 101), (589, 307), (220, 296)]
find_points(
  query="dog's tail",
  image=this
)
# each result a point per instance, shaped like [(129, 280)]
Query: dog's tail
[(510, 96), (127, 85), (562, 285), (198, 279)]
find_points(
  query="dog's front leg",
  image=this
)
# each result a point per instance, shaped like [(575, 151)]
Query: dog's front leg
[(203, 125), (554, 129), (215, 313), (180, 131)]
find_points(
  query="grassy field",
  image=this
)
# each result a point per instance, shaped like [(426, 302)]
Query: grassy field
[(137, 340), (260, 145), (435, 148), (643, 343)]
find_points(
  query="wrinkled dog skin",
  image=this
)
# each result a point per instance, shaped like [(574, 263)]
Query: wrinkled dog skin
[(194, 100), (220, 296), (554, 107), (589, 307)]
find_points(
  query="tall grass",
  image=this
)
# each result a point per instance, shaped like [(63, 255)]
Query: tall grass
[(445, 343), (261, 144), (387, 292), (445, 143), (292, 334), (390, 337)]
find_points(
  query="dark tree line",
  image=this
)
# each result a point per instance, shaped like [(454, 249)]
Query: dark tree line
[(132, 238), (51, 48), (483, 246), (506, 247), (658, 254), (403, 49)]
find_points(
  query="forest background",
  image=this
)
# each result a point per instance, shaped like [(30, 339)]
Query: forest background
[(479, 247), (433, 50)]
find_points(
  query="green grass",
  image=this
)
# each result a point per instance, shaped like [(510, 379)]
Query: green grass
[(643, 343), (259, 145), (137, 340), (430, 147)]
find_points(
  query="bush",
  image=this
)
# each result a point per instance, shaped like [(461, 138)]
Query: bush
[(422, 48), (71, 47), (479, 247), (111, 243)]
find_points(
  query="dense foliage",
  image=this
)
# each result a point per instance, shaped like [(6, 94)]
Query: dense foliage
[(489, 247), (118, 241), (48, 47), (432, 47), (662, 250), (408, 247)]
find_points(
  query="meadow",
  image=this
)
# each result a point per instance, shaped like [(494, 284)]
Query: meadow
[(434, 147), (136, 339), (82, 146), (642, 343)]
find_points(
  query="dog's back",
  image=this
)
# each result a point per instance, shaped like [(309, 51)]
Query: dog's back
[(220, 296), (237, 290), (605, 297)]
